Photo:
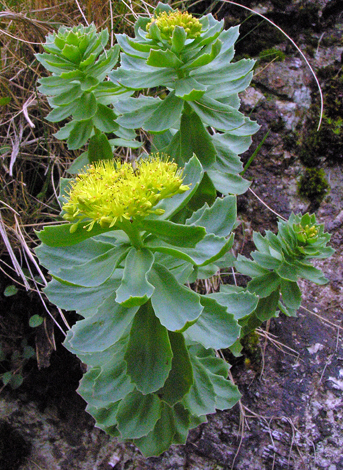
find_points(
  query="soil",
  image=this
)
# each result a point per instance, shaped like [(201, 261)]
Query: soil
[(291, 413)]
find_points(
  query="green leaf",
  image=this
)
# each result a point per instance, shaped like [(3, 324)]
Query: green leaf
[(180, 378), (16, 381), (28, 352), (55, 64), (287, 311), (248, 267), (240, 304), (267, 306), (307, 271), (107, 384), (79, 163), (147, 77), (135, 288), (164, 115), (175, 234), (71, 53), (138, 414), (136, 111), (103, 329), (133, 144), (10, 290), (159, 58), (161, 437), (287, 271), (35, 321), (79, 135), (217, 115), (104, 119), (6, 377), (67, 97), (59, 235), (227, 394), (178, 39), (205, 59), (264, 285), (215, 328), (62, 112), (206, 194), (99, 148), (209, 250), (219, 219), (80, 299), (57, 258), (265, 260), (65, 131), (291, 294), (189, 89), (192, 138), (95, 271), (149, 353), (105, 64), (227, 183), (219, 72), (87, 107), (175, 306), (201, 399), (89, 83)]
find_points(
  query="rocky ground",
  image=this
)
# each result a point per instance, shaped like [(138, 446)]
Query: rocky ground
[(290, 416)]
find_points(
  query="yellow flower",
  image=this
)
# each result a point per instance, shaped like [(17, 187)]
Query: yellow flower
[(109, 192), (166, 23)]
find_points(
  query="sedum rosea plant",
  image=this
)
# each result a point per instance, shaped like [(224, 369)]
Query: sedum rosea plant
[(138, 234)]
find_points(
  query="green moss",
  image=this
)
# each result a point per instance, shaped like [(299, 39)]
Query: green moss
[(272, 54), (313, 185), (252, 351), (328, 141)]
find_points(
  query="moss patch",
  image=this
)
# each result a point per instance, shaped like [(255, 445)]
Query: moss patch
[(328, 141), (272, 54), (313, 185)]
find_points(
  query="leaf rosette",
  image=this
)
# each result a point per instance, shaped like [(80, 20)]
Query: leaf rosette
[(191, 59), (79, 64), (279, 261)]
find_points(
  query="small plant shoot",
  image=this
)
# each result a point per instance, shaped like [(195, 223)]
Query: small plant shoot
[(138, 234)]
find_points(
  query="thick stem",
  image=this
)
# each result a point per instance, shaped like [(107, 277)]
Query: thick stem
[(132, 232)]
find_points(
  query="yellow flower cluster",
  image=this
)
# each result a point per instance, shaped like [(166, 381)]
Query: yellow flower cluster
[(167, 21), (109, 192), (307, 233)]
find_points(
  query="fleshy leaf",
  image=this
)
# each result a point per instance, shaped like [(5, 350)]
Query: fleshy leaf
[(103, 329), (149, 353), (59, 235), (264, 285), (201, 397), (137, 414), (135, 288), (167, 298), (219, 219), (180, 378), (215, 328), (291, 294), (175, 234), (95, 271)]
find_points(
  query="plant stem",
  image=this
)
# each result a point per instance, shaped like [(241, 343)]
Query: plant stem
[(132, 231)]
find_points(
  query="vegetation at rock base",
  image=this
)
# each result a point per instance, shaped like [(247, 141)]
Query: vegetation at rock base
[(327, 143), (313, 185), (272, 54)]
